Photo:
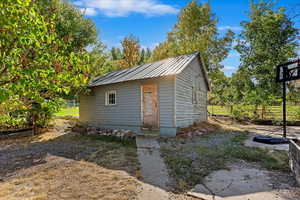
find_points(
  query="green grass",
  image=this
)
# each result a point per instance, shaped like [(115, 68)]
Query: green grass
[(220, 110), (190, 161), (116, 140), (272, 112), (73, 111)]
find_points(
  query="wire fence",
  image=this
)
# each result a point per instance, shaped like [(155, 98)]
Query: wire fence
[(251, 112)]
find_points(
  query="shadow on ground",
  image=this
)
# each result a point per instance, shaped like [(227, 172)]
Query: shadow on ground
[(66, 165), (112, 154)]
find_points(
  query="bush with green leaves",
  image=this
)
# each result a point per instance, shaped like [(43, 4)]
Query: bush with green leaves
[(38, 66), (244, 112)]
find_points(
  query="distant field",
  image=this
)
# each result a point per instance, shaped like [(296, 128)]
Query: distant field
[(272, 112), (74, 111)]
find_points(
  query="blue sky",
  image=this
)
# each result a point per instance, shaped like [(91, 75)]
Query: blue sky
[(150, 20)]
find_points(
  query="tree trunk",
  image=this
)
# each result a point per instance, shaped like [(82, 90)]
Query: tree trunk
[(34, 126), (35, 117)]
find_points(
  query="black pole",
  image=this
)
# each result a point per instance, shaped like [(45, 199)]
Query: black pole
[(284, 108)]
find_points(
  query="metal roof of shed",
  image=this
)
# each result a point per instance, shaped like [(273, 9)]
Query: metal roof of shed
[(168, 66)]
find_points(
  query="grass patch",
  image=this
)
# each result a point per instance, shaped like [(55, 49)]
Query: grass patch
[(190, 161), (72, 111), (117, 140), (272, 112)]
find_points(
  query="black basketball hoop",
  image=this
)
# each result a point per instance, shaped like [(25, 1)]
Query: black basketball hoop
[(285, 72), (288, 71)]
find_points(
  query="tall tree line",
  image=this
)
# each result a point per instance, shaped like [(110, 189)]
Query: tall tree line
[(196, 30), (129, 55), (268, 39)]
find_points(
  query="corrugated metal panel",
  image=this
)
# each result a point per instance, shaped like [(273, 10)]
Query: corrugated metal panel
[(169, 66)]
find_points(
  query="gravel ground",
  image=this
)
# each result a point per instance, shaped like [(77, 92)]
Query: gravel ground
[(60, 164), (63, 165), (191, 160)]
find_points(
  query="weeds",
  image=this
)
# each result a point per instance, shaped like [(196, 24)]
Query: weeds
[(120, 141), (190, 162)]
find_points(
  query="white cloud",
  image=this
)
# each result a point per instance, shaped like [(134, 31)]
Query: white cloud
[(229, 68), (233, 28), (88, 11), (119, 8), (78, 3)]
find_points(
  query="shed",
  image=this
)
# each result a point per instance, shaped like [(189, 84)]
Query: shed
[(158, 97)]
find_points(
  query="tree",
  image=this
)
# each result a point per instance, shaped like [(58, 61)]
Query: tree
[(161, 51), (116, 53), (145, 55), (268, 39), (131, 52), (38, 66), (220, 83), (148, 54), (99, 61), (70, 24), (142, 57), (196, 30)]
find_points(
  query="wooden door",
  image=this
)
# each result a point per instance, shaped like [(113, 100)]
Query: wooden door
[(150, 117)]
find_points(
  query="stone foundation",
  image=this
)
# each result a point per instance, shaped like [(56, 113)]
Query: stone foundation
[(120, 133)]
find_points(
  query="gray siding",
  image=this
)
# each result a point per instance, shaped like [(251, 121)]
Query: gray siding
[(187, 111), (127, 111), (166, 102)]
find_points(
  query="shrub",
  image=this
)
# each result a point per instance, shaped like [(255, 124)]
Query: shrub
[(244, 112)]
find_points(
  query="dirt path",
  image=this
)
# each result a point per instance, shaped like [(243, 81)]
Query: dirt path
[(292, 131)]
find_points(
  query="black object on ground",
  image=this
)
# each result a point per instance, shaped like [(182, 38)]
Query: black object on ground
[(8, 132), (270, 140)]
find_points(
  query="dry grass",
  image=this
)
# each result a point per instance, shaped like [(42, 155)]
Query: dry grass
[(207, 127), (58, 166), (67, 179), (190, 160)]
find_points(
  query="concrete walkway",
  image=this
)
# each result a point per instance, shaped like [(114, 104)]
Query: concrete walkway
[(155, 176), (250, 143), (276, 131), (245, 182)]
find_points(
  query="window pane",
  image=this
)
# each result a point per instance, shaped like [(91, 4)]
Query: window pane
[(112, 98)]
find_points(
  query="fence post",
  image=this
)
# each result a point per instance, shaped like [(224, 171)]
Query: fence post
[(284, 108)]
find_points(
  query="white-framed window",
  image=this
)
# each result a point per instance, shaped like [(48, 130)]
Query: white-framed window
[(110, 98)]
